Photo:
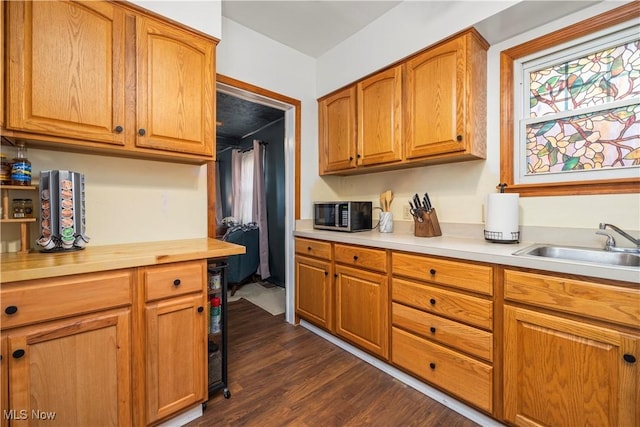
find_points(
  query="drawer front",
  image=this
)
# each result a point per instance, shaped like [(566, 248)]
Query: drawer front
[(373, 259), (465, 338), (170, 280), (599, 301), (39, 300), (453, 305), (462, 275), (461, 375), (314, 248)]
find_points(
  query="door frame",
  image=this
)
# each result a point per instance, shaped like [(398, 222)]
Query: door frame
[(292, 113)]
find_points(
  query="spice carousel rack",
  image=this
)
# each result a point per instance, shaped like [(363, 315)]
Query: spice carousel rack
[(24, 222)]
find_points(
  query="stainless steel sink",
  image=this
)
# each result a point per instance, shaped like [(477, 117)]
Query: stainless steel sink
[(574, 253)]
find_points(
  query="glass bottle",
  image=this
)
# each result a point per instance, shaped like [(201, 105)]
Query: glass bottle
[(21, 167)]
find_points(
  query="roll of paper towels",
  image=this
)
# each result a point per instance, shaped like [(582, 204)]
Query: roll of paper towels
[(501, 215)]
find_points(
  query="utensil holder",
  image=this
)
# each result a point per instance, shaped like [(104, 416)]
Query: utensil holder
[(429, 227)]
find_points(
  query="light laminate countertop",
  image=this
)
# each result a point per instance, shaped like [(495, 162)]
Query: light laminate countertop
[(38, 265), (472, 249)]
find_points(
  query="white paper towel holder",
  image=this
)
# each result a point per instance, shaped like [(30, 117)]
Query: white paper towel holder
[(499, 236)]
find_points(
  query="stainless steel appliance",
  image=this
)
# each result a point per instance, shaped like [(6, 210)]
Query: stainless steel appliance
[(62, 211), (342, 216)]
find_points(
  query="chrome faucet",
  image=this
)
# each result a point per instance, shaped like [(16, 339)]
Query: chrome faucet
[(610, 244)]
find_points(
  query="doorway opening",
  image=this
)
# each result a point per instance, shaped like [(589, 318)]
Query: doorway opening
[(282, 114)]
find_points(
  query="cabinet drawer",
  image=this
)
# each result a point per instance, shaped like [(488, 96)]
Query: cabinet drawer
[(35, 301), (462, 275), (169, 280), (453, 334), (374, 259), (595, 300), (314, 248), (461, 375), (453, 305)]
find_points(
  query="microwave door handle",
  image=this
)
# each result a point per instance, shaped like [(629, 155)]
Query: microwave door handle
[(336, 219)]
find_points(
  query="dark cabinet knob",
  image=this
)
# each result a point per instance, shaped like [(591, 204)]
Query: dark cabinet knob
[(176, 282), (358, 156), (12, 309), (308, 248), (459, 138), (18, 354), (350, 158), (118, 129), (432, 365), (432, 301), (141, 132), (629, 358), (200, 309), (432, 271), (432, 329), (355, 257), (326, 273), (335, 275)]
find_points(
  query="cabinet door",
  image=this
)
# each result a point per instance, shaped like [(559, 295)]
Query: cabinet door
[(380, 118), (75, 372), (436, 101), (362, 313), (4, 380), (176, 355), (66, 69), (176, 89), (337, 126), (314, 291), (559, 372)]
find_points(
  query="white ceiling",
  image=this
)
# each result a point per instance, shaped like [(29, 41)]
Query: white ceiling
[(314, 27), (310, 27)]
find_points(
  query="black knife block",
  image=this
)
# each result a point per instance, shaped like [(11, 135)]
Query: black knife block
[(429, 226)]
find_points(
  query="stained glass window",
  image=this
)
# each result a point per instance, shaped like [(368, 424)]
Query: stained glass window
[(581, 111)]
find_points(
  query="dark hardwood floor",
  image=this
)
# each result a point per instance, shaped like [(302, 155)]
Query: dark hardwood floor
[(283, 375)]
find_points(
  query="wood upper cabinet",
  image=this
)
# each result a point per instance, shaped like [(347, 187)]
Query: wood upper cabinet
[(175, 89), (561, 372), (446, 100), (65, 69), (337, 126), (72, 372), (380, 118)]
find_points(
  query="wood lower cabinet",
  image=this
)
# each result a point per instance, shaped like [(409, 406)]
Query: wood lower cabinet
[(101, 76), (442, 332), (314, 283), (565, 365), (75, 372), (175, 338)]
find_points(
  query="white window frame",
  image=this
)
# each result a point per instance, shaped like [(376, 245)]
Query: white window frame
[(613, 36)]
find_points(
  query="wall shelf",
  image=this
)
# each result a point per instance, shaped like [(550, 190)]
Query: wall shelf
[(24, 222)]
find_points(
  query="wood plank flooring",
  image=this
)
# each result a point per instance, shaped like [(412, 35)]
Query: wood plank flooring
[(283, 375)]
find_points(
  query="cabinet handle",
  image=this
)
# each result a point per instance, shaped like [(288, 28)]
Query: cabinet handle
[(326, 273), (355, 257), (118, 129), (308, 248), (432, 301), (629, 358), (176, 282), (335, 275), (141, 132), (432, 365), (200, 309), (432, 329), (18, 354), (459, 138), (12, 309), (358, 156), (432, 271), (350, 158)]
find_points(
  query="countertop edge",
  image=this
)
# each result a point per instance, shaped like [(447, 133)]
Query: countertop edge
[(38, 265), (473, 250)]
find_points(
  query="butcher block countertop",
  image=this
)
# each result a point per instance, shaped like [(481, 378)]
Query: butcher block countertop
[(38, 265)]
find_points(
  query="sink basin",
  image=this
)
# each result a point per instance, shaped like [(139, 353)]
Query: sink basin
[(573, 253)]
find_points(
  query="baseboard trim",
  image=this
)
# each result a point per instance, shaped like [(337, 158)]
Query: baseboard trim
[(184, 418), (435, 394)]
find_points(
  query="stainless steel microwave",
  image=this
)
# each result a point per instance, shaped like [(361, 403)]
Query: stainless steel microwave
[(342, 216)]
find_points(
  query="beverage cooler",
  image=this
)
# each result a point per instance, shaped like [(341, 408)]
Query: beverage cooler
[(62, 211)]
